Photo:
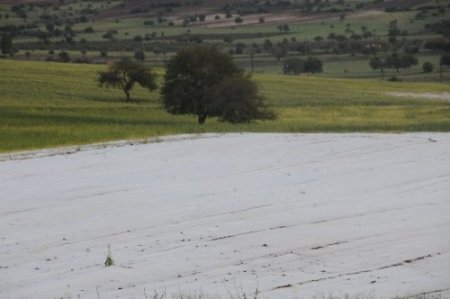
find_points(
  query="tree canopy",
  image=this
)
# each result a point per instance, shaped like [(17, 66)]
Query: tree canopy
[(298, 65), (125, 73), (198, 80), (6, 43)]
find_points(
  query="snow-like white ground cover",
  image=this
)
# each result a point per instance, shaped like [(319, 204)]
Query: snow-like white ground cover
[(295, 215)]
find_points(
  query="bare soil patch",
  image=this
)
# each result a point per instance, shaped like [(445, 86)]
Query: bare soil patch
[(422, 95)]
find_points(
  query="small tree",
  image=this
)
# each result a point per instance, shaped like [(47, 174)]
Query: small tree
[(64, 56), (123, 74), (197, 81), (444, 61), (6, 43), (313, 65), (397, 61), (378, 63), (427, 67), (139, 54), (293, 66)]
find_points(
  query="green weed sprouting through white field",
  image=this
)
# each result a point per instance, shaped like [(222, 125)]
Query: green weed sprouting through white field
[(109, 260)]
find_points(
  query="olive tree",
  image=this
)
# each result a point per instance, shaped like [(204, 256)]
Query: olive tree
[(125, 73), (197, 80)]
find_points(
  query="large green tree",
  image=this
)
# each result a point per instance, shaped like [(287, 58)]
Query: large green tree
[(193, 79), (125, 73)]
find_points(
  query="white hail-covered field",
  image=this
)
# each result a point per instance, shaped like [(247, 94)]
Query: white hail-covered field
[(295, 215)]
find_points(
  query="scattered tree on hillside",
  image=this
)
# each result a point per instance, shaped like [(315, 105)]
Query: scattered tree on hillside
[(139, 54), (64, 56), (427, 67), (444, 61), (204, 81), (125, 73), (378, 63), (313, 65), (6, 43), (397, 61), (297, 65), (293, 66)]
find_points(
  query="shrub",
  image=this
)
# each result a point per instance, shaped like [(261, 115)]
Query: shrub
[(427, 67)]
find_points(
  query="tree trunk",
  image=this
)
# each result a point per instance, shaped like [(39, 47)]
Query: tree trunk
[(202, 117), (127, 94)]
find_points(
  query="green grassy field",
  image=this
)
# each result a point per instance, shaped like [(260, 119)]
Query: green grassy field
[(52, 104)]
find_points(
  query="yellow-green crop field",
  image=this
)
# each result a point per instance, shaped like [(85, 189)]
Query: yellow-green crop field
[(51, 104)]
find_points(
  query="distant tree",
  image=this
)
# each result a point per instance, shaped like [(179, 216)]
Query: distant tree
[(125, 73), (378, 63), (139, 54), (6, 43), (293, 66), (444, 61), (279, 51), (438, 44), (318, 39), (397, 61), (109, 34), (313, 65), (64, 56), (283, 28), (367, 34), (204, 81), (427, 67), (239, 48), (261, 20), (238, 20)]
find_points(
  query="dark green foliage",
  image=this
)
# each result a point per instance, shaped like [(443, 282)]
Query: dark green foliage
[(397, 61), (6, 43), (123, 74), (445, 59), (89, 30), (378, 63), (195, 79), (297, 65), (442, 27), (64, 56), (293, 66), (139, 54), (313, 65), (427, 67), (236, 100), (437, 44), (394, 79)]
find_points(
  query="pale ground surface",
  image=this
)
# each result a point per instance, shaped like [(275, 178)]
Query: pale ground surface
[(297, 215), (422, 95)]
